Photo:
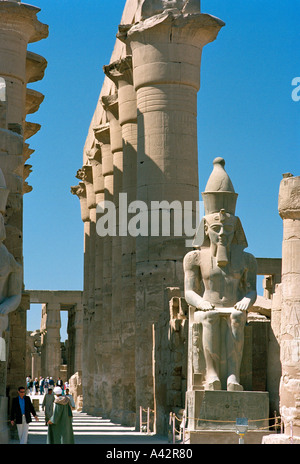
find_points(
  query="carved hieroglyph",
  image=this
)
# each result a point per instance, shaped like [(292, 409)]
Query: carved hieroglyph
[(220, 284)]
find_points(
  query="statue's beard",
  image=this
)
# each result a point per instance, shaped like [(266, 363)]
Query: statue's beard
[(222, 258)]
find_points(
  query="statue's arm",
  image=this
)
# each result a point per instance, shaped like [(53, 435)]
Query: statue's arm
[(14, 295), (251, 295), (192, 280)]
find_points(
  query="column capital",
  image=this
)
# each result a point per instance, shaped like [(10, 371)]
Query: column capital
[(120, 71), (102, 133), (35, 67), (85, 174), (289, 197), (94, 154), (166, 48), (22, 17), (80, 191), (110, 105)]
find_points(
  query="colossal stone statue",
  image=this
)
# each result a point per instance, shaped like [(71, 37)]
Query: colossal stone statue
[(220, 283), (10, 274)]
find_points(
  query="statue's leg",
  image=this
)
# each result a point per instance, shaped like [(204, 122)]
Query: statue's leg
[(234, 347), (211, 349), (196, 348)]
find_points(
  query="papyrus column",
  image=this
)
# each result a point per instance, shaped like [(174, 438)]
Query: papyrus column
[(104, 389), (51, 340), (80, 191), (94, 157), (111, 106), (120, 72), (166, 52), (86, 175), (18, 27), (289, 210)]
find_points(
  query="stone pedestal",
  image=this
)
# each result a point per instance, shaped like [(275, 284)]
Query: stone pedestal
[(218, 410), (212, 415)]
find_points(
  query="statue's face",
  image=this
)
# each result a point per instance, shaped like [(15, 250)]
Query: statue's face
[(220, 228)]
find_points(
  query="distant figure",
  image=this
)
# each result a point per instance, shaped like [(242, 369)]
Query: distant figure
[(21, 411), (59, 383), (42, 381), (47, 404), (60, 430), (36, 385), (72, 402)]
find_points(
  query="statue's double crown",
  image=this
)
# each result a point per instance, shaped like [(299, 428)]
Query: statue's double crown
[(219, 192)]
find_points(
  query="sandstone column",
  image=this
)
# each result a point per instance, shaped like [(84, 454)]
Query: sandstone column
[(166, 53), (103, 345), (51, 340), (80, 192), (18, 27), (86, 175), (111, 106), (289, 210), (94, 157), (120, 72)]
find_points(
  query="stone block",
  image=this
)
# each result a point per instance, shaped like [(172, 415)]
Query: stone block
[(218, 410)]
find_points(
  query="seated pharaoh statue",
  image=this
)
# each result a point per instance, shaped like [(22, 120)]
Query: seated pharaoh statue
[(10, 274), (220, 287)]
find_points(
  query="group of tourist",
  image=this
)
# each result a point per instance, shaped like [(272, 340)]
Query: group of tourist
[(57, 404), (41, 386)]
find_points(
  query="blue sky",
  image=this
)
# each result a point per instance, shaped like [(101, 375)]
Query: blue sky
[(245, 114)]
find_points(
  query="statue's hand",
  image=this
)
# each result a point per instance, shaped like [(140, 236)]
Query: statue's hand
[(243, 305), (205, 306)]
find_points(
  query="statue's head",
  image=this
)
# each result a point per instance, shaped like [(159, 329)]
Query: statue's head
[(220, 229)]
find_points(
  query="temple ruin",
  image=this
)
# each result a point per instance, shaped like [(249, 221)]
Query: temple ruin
[(130, 328)]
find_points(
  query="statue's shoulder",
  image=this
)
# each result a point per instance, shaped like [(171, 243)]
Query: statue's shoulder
[(15, 266), (250, 261), (192, 258)]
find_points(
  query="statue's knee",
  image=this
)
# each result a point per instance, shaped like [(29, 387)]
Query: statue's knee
[(211, 317), (238, 318)]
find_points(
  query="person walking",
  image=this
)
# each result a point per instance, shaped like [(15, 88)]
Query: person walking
[(46, 384), (59, 383), (60, 430), (47, 404), (72, 402), (21, 411), (42, 381), (36, 385)]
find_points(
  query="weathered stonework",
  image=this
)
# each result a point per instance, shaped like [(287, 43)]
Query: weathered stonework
[(19, 26), (287, 320)]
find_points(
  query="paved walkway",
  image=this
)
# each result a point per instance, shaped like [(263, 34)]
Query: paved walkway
[(93, 430)]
